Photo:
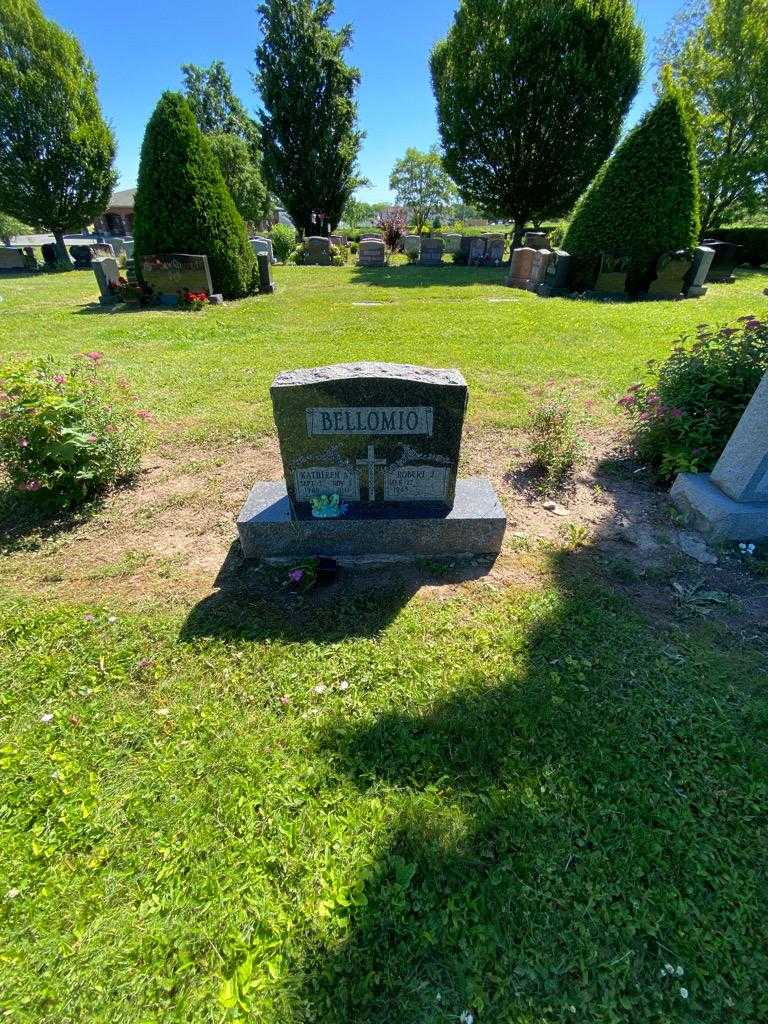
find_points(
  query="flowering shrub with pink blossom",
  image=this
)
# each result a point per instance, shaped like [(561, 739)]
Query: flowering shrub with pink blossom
[(683, 416), (66, 433)]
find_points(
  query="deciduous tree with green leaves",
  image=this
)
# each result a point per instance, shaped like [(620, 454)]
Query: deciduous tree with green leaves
[(183, 204), (531, 99), (421, 183), (234, 137), (722, 66), (309, 118), (56, 150)]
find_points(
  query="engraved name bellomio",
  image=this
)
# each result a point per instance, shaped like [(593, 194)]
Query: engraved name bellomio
[(382, 420)]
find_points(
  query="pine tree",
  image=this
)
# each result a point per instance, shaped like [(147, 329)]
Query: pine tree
[(644, 200), (183, 204)]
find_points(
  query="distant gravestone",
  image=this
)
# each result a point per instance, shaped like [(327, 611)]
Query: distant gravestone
[(169, 275), (462, 257), (520, 267), (259, 244), (371, 253), (724, 262), (128, 244), (13, 258), (412, 244), (317, 251), (339, 240), (536, 240), (266, 287), (697, 275), (731, 503), (370, 454), (452, 243), (672, 268), (431, 253), (494, 251), (557, 275), (612, 277), (476, 250), (81, 254), (50, 257), (107, 275), (539, 265)]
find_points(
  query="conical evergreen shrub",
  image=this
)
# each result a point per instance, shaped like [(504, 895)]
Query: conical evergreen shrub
[(644, 200), (183, 204)]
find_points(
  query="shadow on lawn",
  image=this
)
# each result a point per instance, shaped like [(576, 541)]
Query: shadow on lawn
[(558, 833), (410, 275), (254, 602), (26, 523)]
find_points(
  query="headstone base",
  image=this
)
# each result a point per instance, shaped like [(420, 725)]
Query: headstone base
[(695, 292), (717, 515), (474, 526)]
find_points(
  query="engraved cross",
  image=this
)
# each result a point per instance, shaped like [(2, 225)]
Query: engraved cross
[(371, 462)]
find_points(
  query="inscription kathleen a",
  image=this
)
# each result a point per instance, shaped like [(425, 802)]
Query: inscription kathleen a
[(371, 420), (314, 481)]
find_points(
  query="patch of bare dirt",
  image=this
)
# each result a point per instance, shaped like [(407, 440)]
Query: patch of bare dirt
[(171, 535)]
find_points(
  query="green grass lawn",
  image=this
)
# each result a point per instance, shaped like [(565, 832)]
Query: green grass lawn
[(532, 799)]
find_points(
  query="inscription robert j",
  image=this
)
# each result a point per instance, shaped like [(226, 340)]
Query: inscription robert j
[(377, 420)]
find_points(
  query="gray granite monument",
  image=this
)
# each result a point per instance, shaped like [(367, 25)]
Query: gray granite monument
[(476, 250), (259, 244), (452, 242), (370, 454), (431, 253), (371, 253), (169, 275), (536, 240), (13, 258), (697, 275), (672, 269), (612, 278), (731, 502), (317, 251), (266, 285), (411, 245), (724, 262), (557, 275), (105, 269)]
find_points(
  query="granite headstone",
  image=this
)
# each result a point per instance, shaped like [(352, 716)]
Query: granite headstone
[(725, 260), (371, 253), (266, 286), (452, 242), (731, 503), (259, 244), (431, 252), (170, 274), (672, 268), (412, 244), (536, 240), (317, 251), (494, 250), (105, 268), (612, 278), (520, 267), (476, 250), (697, 275), (50, 258), (370, 454), (12, 258), (557, 275)]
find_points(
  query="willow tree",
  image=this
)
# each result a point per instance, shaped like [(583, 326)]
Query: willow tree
[(531, 98), (56, 150), (309, 118)]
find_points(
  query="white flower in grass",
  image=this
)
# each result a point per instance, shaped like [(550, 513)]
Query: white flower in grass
[(112, 619), (162, 711), (679, 971), (12, 894), (684, 993), (466, 1018), (343, 685), (320, 688), (46, 718)]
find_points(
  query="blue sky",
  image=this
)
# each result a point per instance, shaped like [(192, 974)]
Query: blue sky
[(138, 50)]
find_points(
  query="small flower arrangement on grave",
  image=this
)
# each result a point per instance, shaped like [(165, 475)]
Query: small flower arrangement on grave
[(303, 576), (67, 433), (328, 506), (684, 414), (194, 301), (123, 291)]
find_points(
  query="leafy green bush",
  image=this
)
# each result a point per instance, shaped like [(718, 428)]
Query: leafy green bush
[(684, 415), (67, 433), (299, 255), (555, 444), (644, 200), (183, 204), (283, 241)]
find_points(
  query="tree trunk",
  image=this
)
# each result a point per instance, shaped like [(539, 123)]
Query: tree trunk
[(517, 236), (62, 255)]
